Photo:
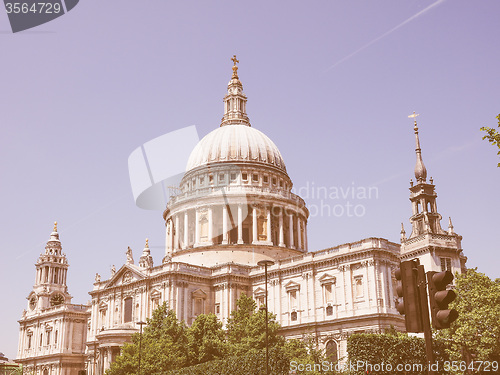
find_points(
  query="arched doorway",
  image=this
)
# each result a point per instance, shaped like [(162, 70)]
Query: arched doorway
[(331, 351)]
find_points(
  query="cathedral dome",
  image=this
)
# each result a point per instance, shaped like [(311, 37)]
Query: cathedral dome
[(236, 143)]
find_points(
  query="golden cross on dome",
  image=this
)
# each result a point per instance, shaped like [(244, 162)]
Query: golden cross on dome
[(414, 116), (55, 226), (147, 242), (235, 60)]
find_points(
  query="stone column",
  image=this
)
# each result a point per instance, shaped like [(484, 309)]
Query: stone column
[(224, 225), (269, 237), (197, 228), (390, 303), (281, 235), (292, 244), (254, 225), (210, 225), (299, 233), (176, 229), (186, 229), (240, 224), (306, 244)]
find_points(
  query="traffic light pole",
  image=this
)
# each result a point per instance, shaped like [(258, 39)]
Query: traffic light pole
[(424, 311)]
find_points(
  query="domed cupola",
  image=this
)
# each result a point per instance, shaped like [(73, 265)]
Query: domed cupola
[(235, 202)]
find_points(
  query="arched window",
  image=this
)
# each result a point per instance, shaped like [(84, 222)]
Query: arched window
[(331, 351), (329, 310)]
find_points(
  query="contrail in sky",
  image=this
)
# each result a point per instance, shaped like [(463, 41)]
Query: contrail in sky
[(386, 33)]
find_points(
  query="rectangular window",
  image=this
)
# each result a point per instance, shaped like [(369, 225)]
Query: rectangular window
[(202, 181), (244, 176), (55, 338), (29, 341), (445, 264), (48, 337), (260, 301), (211, 179), (41, 339), (198, 306), (274, 180), (217, 308), (328, 293), (221, 177), (266, 179), (128, 310), (233, 177), (255, 177), (293, 299), (358, 285)]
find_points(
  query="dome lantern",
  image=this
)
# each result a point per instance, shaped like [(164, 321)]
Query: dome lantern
[(235, 101)]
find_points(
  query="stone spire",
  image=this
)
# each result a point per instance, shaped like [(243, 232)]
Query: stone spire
[(420, 171), (403, 233), (146, 260), (235, 101), (450, 227), (425, 217)]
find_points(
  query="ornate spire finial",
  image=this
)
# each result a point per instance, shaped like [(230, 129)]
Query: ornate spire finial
[(235, 100), (55, 226), (403, 233), (235, 67), (450, 226), (420, 171), (146, 260)]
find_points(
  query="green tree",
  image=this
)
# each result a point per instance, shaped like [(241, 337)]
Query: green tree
[(475, 335), (206, 339), (493, 136), (164, 346), (246, 327)]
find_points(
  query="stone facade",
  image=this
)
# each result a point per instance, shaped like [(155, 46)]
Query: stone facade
[(234, 207)]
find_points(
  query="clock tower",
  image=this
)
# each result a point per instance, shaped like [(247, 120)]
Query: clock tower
[(51, 271), (52, 331)]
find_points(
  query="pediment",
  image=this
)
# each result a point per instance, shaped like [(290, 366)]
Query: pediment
[(259, 292), (155, 293), (198, 293), (327, 279), (125, 275), (292, 285)]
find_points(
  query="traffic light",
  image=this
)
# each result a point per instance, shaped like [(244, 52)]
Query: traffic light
[(407, 289), (439, 299)]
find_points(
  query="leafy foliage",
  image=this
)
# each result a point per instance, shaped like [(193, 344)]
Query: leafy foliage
[(251, 363), (169, 347), (475, 335), (392, 348), (246, 328), (164, 346), (493, 136), (206, 339)]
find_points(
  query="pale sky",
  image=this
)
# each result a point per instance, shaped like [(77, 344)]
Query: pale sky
[(330, 82)]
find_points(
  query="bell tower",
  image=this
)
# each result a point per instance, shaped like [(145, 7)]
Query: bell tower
[(51, 272), (52, 331), (437, 250)]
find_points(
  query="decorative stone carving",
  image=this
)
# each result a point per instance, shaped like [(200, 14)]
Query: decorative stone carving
[(127, 277)]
